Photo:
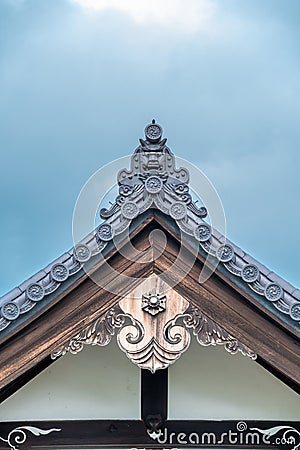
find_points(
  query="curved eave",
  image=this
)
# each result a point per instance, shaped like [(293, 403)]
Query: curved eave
[(28, 344)]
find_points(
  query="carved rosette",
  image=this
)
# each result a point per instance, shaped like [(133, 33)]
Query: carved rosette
[(105, 232), (250, 273), (129, 210), (154, 303), (202, 232), (295, 311), (153, 184), (153, 132)]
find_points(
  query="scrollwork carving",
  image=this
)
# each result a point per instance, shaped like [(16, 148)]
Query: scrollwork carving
[(162, 341), (209, 332), (19, 435), (59, 272), (202, 232), (273, 292), (295, 311), (10, 311), (200, 212), (225, 253), (82, 253), (250, 273), (175, 334), (129, 210), (155, 330), (35, 292), (98, 332)]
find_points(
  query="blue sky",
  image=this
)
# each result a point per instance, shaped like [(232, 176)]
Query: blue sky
[(79, 80)]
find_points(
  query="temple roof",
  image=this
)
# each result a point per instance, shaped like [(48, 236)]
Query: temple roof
[(152, 190), (153, 181)]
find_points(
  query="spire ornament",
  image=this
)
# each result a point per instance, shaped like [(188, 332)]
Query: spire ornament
[(153, 181)]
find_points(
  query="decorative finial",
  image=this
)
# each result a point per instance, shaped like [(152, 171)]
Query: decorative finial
[(153, 132)]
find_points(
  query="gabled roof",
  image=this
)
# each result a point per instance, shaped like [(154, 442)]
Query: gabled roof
[(242, 296)]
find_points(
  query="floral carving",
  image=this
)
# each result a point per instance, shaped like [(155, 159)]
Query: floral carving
[(154, 303), (98, 332), (209, 332)]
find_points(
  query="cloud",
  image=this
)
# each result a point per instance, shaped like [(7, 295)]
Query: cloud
[(79, 82), (188, 15)]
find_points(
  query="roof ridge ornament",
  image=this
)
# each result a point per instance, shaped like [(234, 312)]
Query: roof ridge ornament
[(153, 156), (153, 181), (152, 178)]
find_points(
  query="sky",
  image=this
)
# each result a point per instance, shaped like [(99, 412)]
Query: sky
[(80, 79)]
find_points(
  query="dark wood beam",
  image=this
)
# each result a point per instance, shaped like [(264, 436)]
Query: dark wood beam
[(154, 398), (133, 434)]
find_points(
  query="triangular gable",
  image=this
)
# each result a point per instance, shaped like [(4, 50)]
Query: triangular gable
[(243, 302)]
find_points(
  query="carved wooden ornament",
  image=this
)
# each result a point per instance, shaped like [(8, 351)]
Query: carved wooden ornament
[(153, 324), (155, 309)]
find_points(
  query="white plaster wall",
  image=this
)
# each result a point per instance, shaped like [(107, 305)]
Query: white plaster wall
[(205, 383), (97, 383), (209, 383)]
